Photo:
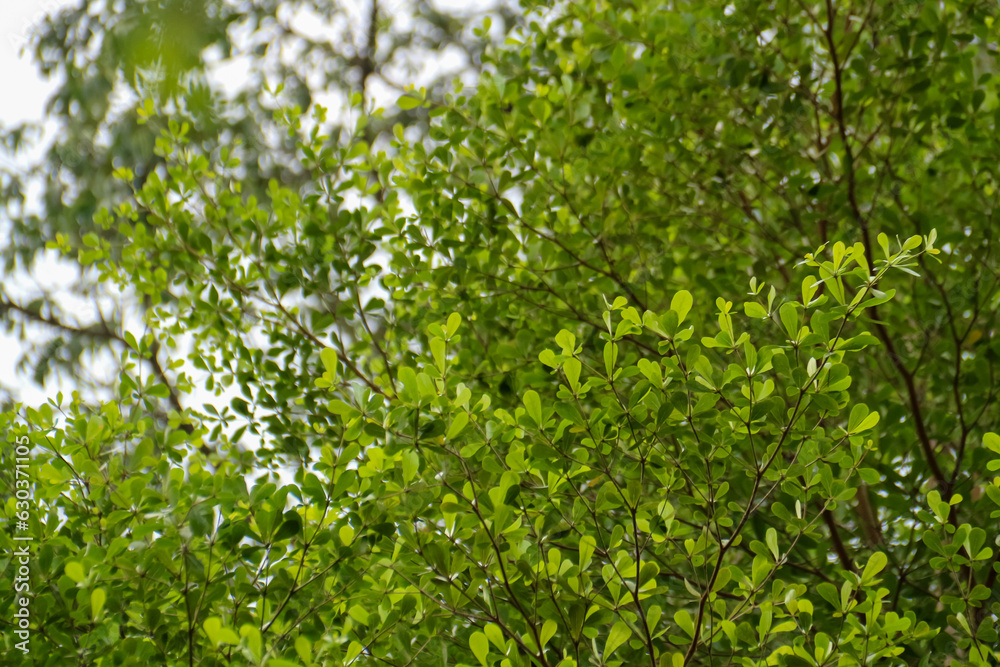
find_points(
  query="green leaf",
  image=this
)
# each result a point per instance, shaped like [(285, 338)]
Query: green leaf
[(495, 635), (74, 571), (859, 342), (97, 598), (458, 423), (858, 414), (789, 315), (883, 241), (571, 367), (410, 464), (407, 102), (454, 322), (218, 634), (566, 341), (683, 620), (755, 310), (548, 630), (359, 614), (291, 527), (867, 423), (533, 404), (303, 647), (809, 286), (95, 426), (869, 475), (681, 304), (587, 546), (772, 542), (610, 358), (254, 640), (829, 593), (480, 646), (619, 634), (357, 150), (329, 358), (649, 571), (438, 352), (408, 377), (353, 650), (876, 563)]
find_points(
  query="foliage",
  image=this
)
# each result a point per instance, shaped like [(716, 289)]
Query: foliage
[(500, 394)]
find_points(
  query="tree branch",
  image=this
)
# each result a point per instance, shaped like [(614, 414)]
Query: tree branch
[(103, 332), (883, 334)]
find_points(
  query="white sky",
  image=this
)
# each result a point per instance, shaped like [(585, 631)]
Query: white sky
[(18, 74)]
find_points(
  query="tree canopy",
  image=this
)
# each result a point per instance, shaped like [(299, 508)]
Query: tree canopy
[(671, 341)]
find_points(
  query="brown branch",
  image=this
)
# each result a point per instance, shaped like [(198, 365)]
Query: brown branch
[(869, 519), (368, 59), (883, 334), (103, 332), (838, 544)]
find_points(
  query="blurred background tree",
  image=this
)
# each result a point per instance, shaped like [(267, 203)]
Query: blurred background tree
[(218, 67)]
